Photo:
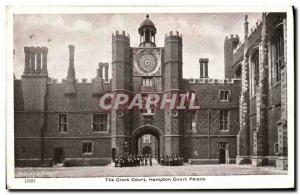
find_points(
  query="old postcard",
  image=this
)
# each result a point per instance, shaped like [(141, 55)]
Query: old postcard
[(150, 98)]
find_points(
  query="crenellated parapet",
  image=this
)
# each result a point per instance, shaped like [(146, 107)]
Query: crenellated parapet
[(121, 36), (173, 34), (232, 37), (254, 28), (213, 81)]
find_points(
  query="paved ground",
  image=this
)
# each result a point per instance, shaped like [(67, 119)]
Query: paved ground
[(155, 170)]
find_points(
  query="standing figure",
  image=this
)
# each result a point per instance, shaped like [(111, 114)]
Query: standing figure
[(150, 159), (138, 160), (142, 160), (146, 160)]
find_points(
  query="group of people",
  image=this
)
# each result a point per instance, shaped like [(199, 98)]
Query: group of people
[(169, 160), (133, 160)]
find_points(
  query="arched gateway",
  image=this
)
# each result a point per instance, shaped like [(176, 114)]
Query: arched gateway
[(144, 130)]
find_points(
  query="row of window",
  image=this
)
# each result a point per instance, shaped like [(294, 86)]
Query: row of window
[(223, 120), (99, 122), (86, 148), (224, 94), (276, 61)]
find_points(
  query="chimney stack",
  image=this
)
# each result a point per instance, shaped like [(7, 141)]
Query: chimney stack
[(35, 61), (103, 68), (203, 67), (38, 59), (44, 59), (27, 60), (71, 70), (100, 70), (32, 59), (70, 88)]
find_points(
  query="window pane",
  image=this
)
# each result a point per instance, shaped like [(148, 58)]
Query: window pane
[(100, 122), (63, 123)]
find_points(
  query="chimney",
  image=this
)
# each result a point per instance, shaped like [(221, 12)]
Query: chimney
[(203, 67), (27, 60), (38, 59), (44, 51), (70, 87), (100, 71), (71, 70), (97, 83), (103, 70), (32, 59), (106, 72)]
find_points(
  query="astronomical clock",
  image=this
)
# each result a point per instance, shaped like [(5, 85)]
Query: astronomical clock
[(146, 61)]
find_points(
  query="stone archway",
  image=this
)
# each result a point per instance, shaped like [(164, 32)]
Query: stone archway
[(147, 129)]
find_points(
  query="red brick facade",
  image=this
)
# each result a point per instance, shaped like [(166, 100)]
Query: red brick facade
[(40, 101)]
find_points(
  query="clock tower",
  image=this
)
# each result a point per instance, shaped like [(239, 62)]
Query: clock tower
[(146, 69)]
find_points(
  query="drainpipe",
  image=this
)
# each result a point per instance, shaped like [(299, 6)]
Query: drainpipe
[(209, 133)]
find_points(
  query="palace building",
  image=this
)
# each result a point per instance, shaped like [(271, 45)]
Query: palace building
[(241, 119)]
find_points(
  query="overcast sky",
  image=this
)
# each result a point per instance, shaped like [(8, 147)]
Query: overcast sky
[(203, 36)]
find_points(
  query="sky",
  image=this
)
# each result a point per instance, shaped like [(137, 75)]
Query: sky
[(203, 37)]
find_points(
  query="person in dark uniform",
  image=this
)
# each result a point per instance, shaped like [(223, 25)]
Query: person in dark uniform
[(169, 160), (150, 159), (176, 160), (146, 159), (116, 161), (162, 160), (142, 160), (121, 161), (138, 160)]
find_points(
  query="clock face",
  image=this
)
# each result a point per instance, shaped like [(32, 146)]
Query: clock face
[(147, 61)]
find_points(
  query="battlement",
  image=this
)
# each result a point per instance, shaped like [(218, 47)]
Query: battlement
[(173, 34), (254, 28), (213, 81), (203, 60), (231, 37), (123, 35), (82, 80), (61, 81)]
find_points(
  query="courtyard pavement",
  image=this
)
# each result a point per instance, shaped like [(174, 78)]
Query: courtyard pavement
[(155, 170)]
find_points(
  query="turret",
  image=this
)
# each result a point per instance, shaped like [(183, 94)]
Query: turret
[(173, 61), (70, 88), (229, 44), (121, 83), (121, 61), (172, 85), (147, 31)]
